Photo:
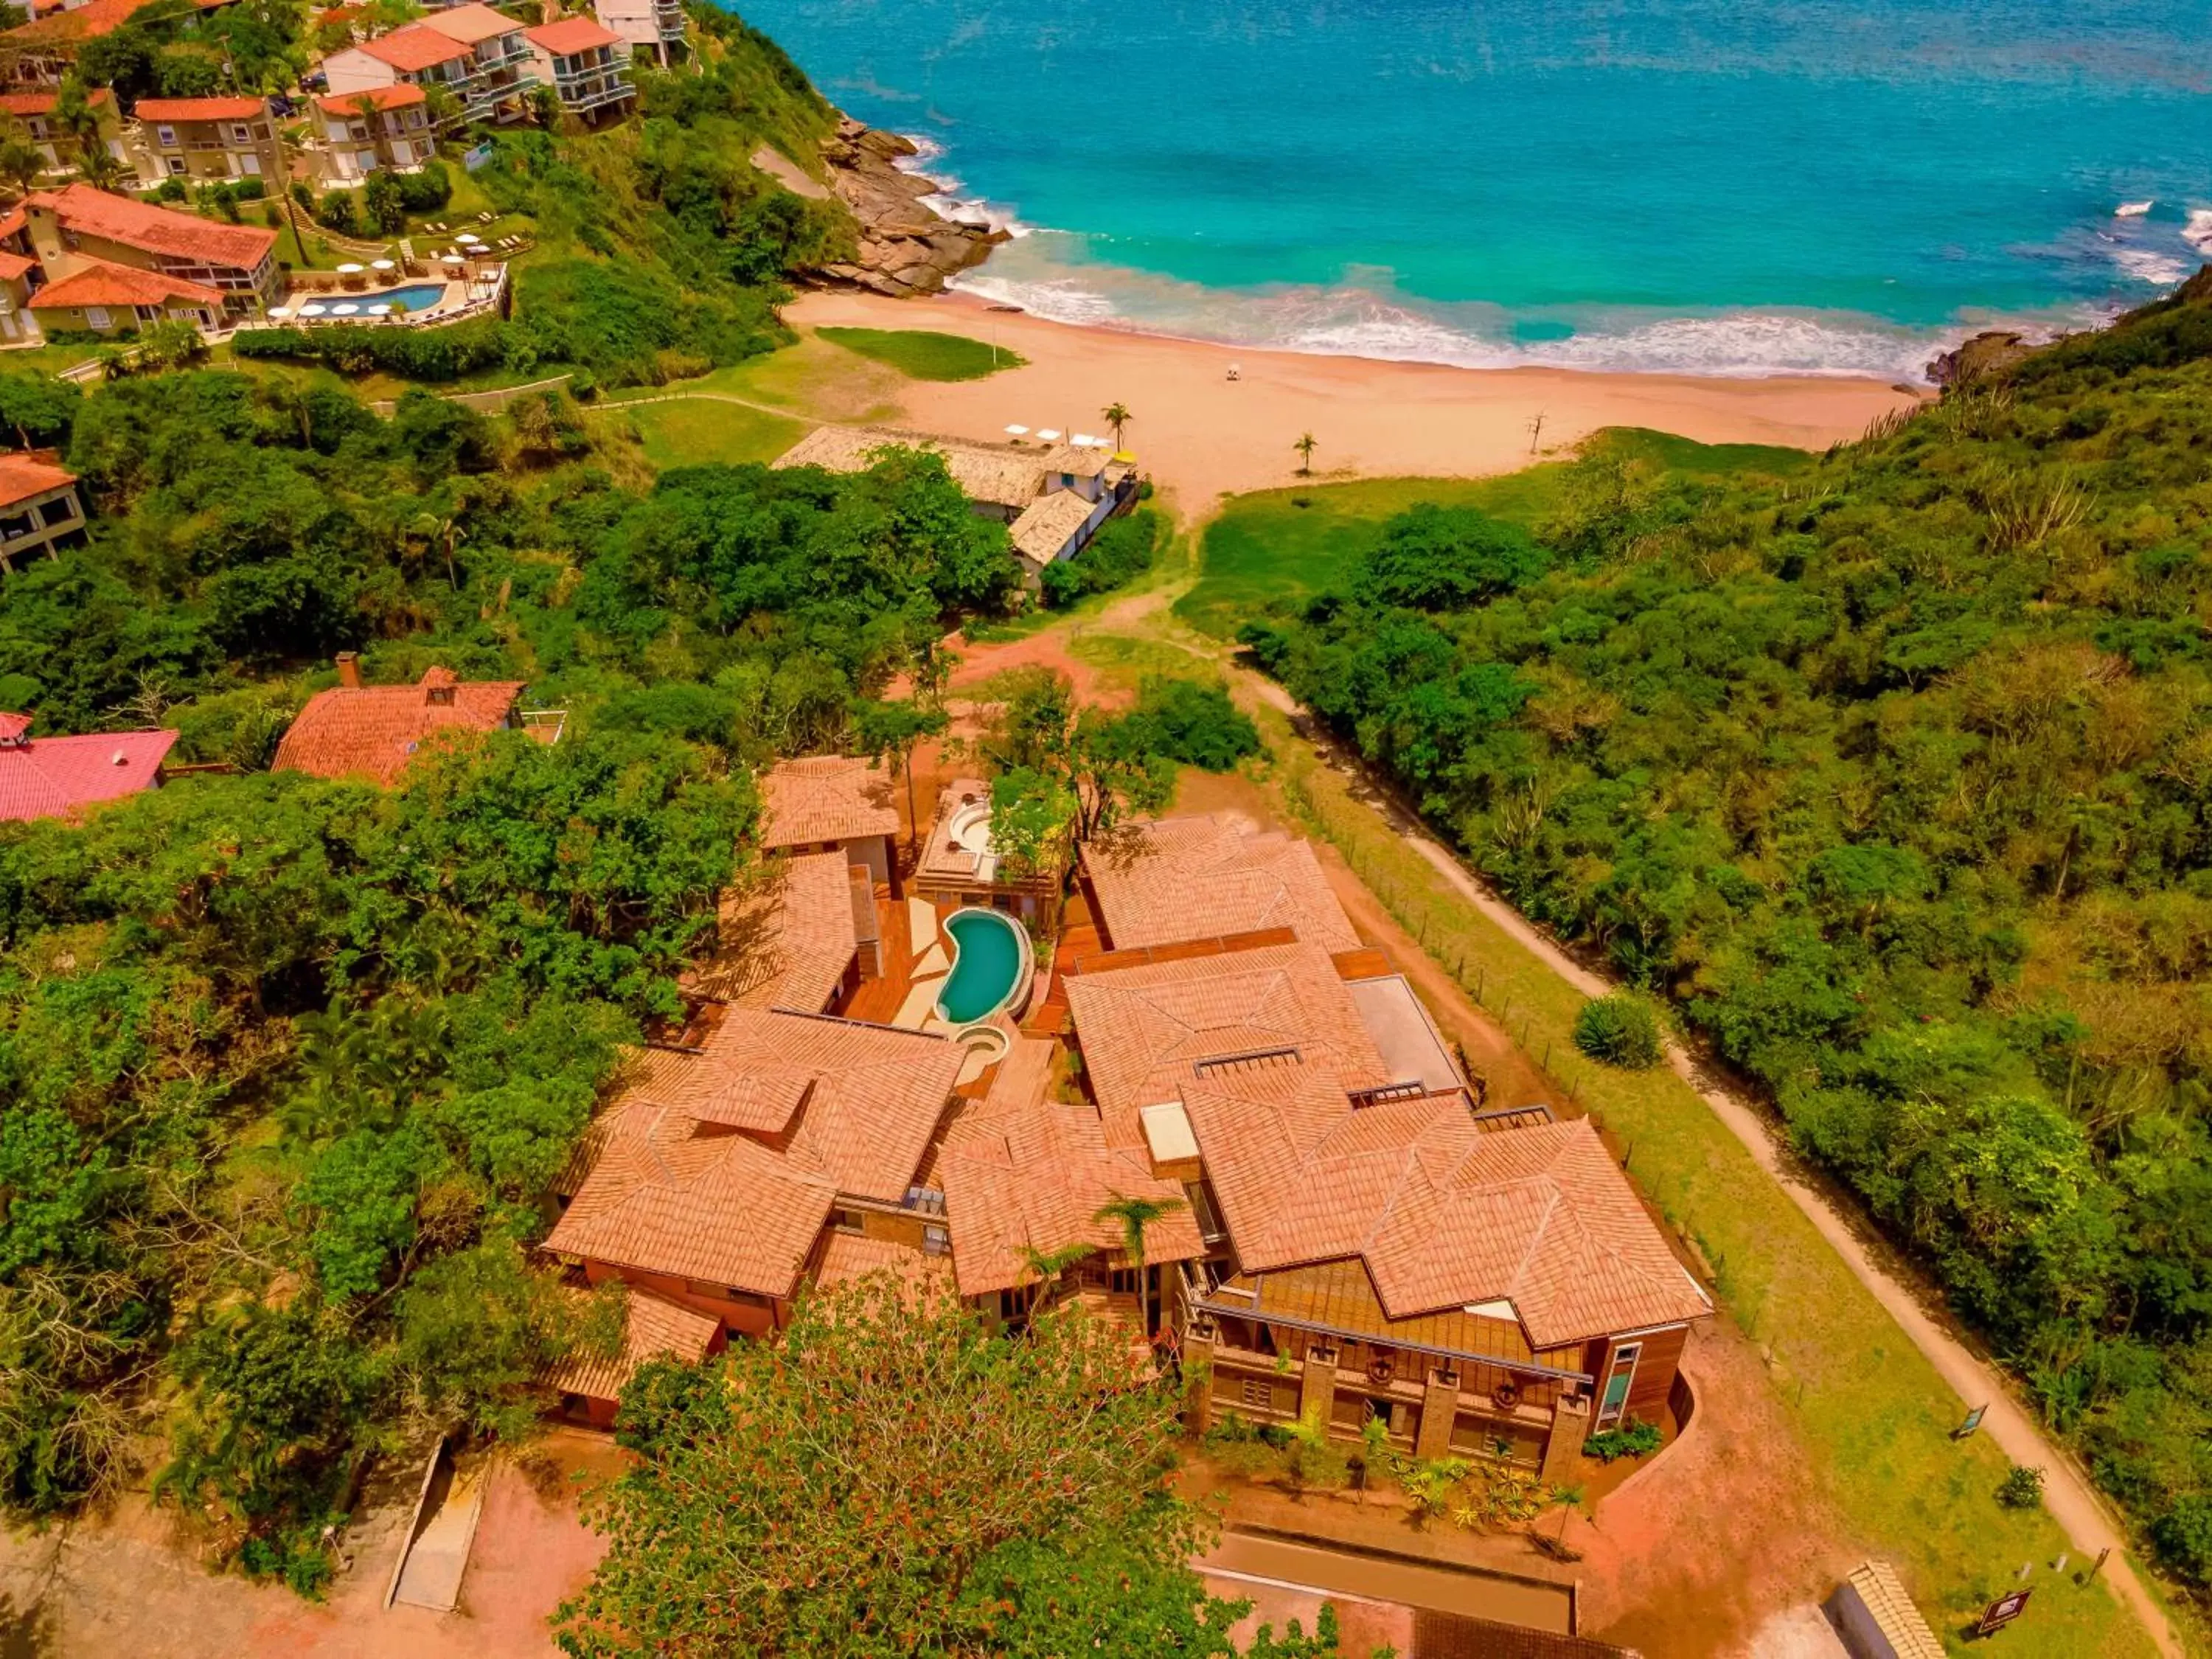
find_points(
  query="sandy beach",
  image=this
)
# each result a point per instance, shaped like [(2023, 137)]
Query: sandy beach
[(1200, 435)]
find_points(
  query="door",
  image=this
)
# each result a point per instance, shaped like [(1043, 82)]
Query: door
[(95, 319), (1619, 1377), (250, 164)]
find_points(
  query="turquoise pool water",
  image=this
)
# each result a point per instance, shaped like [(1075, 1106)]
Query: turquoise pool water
[(987, 966)]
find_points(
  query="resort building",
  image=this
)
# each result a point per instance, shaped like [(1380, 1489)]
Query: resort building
[(17, 273), (374, 732), (40, 511), (471, 51), (77, 227), (794, 938), (39, 53), (101, 297), (1051, 501), (206, 139), (386, 129), (831, 803), (652, 26), (66, 777), (32, 115), (586, 64)]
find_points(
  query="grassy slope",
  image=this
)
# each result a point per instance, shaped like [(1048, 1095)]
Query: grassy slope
[(1874, 1413), (686, 433), (924, 355)]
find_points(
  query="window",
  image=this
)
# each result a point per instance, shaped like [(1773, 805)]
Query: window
[(1619, 1377), (241, 135), (165, 137), (745, 1298), (1123, 1281), (176, 165), (96, 317), (936, 1241), (1256, 1396), (846, 1220)]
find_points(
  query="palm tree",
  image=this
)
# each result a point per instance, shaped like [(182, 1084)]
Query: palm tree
[(1049, 1265), (1135, 1214), (1305, 446), (1116, 416)]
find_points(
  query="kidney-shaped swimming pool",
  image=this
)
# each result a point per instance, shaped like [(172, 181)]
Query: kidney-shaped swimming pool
[(990, 965)]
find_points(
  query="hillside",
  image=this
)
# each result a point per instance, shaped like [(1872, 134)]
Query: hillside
[(1891, 775)]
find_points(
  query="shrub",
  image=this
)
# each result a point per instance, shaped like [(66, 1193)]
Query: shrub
[(414, 354), (1619, 1031), (1633, 1439), (1122, 550), (336, 212), (425, 191), (170, 189), (2022, 1488), (1195, 724)]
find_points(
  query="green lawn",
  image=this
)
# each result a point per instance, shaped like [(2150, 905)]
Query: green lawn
[(1288, 544), (924, 356), (1872, 1412), (690, 432)]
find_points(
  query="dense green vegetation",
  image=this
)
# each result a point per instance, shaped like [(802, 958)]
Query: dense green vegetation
[(924, 354), (777, 1506), (1123, 549), (1893, 771)]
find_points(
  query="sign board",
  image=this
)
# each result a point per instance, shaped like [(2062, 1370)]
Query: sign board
[(2002, 1611), (1973, 1421), (476, 158)]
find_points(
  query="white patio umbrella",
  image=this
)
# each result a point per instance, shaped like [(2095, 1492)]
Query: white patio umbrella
[(1083, 441), (350, 270), (1018, 432), (1049, 433), (469, 237), (379, 311), (280, 311), (314, 310), (451, 259), (345, 310), (382, 264)]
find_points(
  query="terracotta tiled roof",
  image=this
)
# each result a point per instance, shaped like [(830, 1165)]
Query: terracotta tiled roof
[(786, 941), (21, 477), (418, 46), (13, 265), (200, 109), (157, 230), (60, 777), (43, 102), (654, 1327), (401, 95), (573, 34), (372, 730), (848, 1256), (87, 22), (103, 283), (1045, 525), (1148, 1032), (1019, 1170), (720, 1165), (469, 24), (825, 798), (1443, 1214), (1165, 880)]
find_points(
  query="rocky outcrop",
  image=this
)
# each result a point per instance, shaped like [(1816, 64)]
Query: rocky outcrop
[(1985, 354), (905, 246)]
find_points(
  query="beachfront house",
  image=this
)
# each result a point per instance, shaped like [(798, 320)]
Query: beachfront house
[(651, 25), (205, 140), (40, 53), (383, 129), (587, 66), (103, 298)]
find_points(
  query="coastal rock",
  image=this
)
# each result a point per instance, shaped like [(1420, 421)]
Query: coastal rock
[(904, 245), (1985, 354)]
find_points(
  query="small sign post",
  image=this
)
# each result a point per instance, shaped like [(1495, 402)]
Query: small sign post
[(2002, 1611), (1973, 1421)]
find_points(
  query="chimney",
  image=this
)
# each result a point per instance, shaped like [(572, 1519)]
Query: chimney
[(349, 669)]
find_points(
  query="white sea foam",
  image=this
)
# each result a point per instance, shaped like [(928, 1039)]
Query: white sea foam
[(2151, 265), (1062, 300), (2132, 210), (2198, 233)]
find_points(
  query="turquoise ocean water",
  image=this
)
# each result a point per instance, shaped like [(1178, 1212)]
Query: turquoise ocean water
[(1715, 185)]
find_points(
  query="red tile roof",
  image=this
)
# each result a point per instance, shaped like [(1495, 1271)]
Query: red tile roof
[(1163, 881), (102, 282), (42, 103), (373, 731), (471, 24), (786, 941), (416, 47), (400, 96), (13, 265), (652, 1326), (200, 109), (1022, 1172), (60, 777), (848, 1256), (1443, 1214), (720, 1165), (825, 798), (21, 477), (572, 35), (87, 22), (92, 212), (1148, 1032)]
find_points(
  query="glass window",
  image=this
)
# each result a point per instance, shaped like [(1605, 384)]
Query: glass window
[(166, 137)]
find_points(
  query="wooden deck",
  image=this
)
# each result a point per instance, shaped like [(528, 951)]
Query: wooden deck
[(878, 1001)]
